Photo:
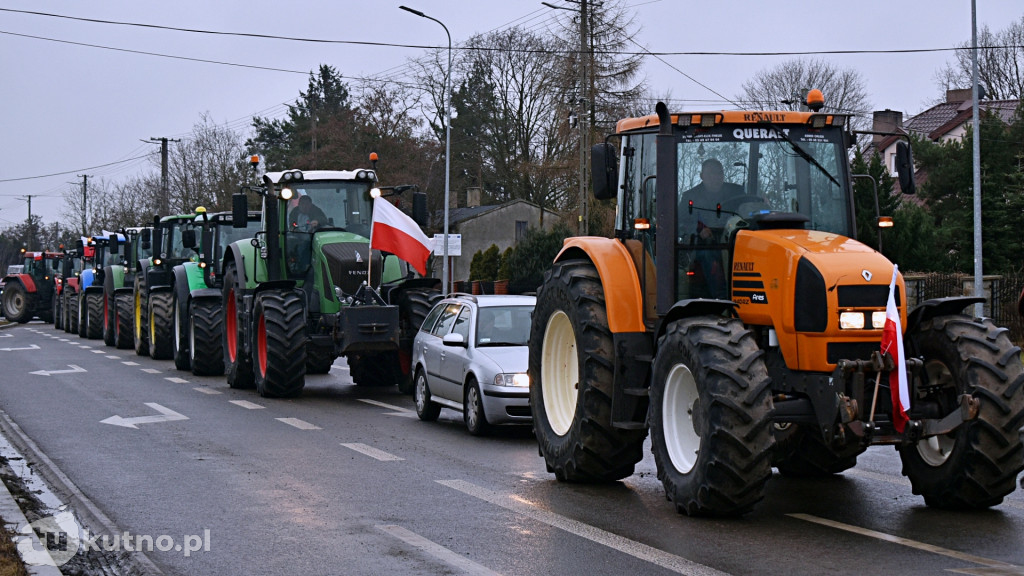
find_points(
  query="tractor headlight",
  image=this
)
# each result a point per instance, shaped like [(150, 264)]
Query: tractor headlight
[(287, 193), (878, 319), (851, 320)]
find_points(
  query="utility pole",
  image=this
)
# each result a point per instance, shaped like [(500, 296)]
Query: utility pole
[(165, 201), (85, 189), (584, 128), (30, 234)]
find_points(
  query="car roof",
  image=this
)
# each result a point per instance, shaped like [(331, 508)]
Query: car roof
[(489, 300)]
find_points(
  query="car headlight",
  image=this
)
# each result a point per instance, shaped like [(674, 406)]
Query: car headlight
[(516, 380)]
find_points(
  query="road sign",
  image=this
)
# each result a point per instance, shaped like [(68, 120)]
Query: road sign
[(454, 245), (166, 415)]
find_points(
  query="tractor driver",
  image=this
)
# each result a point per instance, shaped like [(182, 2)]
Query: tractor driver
[(695, 228), (306, 217)]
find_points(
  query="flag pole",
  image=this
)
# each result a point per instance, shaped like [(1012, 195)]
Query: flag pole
[(369, 247), (874, 397)]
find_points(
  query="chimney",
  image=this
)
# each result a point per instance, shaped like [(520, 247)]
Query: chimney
[(958, 95), (472, 197), (886, 121)]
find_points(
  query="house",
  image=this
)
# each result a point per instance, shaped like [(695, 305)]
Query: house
[(480, 226), (943, 122)]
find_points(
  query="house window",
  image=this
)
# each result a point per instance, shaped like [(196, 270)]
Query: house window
[(520, 230)]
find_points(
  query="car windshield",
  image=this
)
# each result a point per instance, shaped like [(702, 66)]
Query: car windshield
[(503, 326)]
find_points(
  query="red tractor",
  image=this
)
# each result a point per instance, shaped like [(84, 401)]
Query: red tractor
[(29, 293)]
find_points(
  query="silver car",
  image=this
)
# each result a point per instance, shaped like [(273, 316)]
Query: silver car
[(471, 355)]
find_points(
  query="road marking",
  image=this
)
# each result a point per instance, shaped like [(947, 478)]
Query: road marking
[(436, 550), (84, 347), (336, 367), (73, 370), (903, 541), (6, 335), (176, 380), (63, 340), (129, 363), (904, 481), (633, 548), (372, 452), (383, 405), (101, 352), (30, 347), (300, 424), (150, 370), (166, 415), (207, 390), (247, 405), (112, 357)]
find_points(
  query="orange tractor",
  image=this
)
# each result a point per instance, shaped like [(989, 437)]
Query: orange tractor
[(735, 317)]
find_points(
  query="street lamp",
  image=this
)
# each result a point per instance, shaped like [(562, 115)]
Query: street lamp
[(447, 144)]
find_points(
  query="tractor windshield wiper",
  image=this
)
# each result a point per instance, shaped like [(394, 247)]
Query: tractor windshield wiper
[(804, 154)]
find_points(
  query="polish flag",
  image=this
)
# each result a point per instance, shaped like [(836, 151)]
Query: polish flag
[(892, 342), (398, 234)]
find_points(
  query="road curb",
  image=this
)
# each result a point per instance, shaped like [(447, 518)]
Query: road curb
[(12, 515)]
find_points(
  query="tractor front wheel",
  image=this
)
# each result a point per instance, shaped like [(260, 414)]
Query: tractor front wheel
[(279, 347), (141, 316), (238, 363), (977, 464), (413, 307), (205, 343), (571, 362), (123, 320), (93, 316), (160, 326), (18, 303), (180, 329)]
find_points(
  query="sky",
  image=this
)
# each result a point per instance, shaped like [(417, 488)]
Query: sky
[(80, 97)]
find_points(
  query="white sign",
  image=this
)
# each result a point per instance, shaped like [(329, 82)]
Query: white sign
[(166, 415), (454, 245)]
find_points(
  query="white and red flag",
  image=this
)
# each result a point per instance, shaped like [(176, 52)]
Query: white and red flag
[(399, 234), (892, 342)]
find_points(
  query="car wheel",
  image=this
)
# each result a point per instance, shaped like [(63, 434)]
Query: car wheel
[(473, 410), (426, 409)]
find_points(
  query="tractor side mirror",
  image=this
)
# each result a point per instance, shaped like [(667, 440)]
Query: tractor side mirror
[(905, 168), (80, 246), (239, 211), (419, 208), (146, 236), (188, 238), (604, 169)]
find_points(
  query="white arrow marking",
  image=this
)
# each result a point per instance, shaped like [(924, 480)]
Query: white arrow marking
[(32, 347), (6, 335), (166, 415), (51, 372)]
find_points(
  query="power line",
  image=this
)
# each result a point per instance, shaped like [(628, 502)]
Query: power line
[(72, 171)]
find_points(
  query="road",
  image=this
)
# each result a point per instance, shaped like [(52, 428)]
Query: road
[(346, 480)]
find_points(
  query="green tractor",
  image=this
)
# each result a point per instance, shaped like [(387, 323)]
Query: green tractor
[(119, 274), (154, 286), (308, 288), (198, 286)]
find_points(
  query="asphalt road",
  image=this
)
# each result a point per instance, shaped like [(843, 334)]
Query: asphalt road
[(346, 480)]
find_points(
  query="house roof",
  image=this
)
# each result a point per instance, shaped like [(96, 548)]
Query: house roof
[(943, 118), (457, 215)]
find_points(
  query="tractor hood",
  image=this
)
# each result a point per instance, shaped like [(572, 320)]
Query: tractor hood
[(347, 258)]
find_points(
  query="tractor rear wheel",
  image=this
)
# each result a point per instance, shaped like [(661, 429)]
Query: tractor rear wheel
[(413, 307), (160, 326), (58, 311), (123, 320), (237, 363), (141, 316), (205, 343), (71, 325), (279, 347), (109, 319), (18, 303), (571, 361), (93, 316), (180, 330), (977, 464)]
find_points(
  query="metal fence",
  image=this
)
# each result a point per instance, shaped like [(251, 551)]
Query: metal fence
[(1001, 294)]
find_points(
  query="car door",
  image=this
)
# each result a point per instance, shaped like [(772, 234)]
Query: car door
[(454, 359), (434, 349)]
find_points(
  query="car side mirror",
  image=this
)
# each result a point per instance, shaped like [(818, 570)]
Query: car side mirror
[(453, 339)]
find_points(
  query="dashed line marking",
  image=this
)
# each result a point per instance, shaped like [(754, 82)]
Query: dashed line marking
[(300, 424), (207, 390), (63, 340), (902, 541), (112, 357), (372, 452), (101, 352), (443, 554), (384, 405), (129, 363), (176, 380), (633, 548), (247, 405), (150, 370), (84, 347)]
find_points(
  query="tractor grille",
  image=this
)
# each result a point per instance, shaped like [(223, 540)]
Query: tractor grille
[(347, 262), (865, 296)]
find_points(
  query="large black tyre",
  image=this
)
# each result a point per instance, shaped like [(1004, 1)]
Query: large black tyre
[(709, 416), (976, 465), (46, 314), (473, 410), (571, 363), (426, 409), (140, 321), (18, 304), (161, 326), (205, 342), (82, 309), (123, 314), (319, 359), (801, 452), (413, 307), (58, 311), (374, 369), (279, 346), (71, 325), (93, 315), (180, 334), (237, 363), (109, 318)]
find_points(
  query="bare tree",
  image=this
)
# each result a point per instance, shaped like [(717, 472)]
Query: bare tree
[(206, 168), (782, 87), (112, 206), (1000, 63)]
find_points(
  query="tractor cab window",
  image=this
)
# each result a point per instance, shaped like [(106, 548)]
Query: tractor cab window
[(340, 205), (172, 243)]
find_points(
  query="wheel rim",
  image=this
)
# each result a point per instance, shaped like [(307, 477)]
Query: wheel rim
[(473, 408), (177, 326), (421, 392), (192, 340), (936, 449), (230, 326), (106, 315), (560, 373), (138, 315), (680, 418), (261, 345)]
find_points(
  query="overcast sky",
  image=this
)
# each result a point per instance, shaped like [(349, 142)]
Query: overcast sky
[(69, 108)]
